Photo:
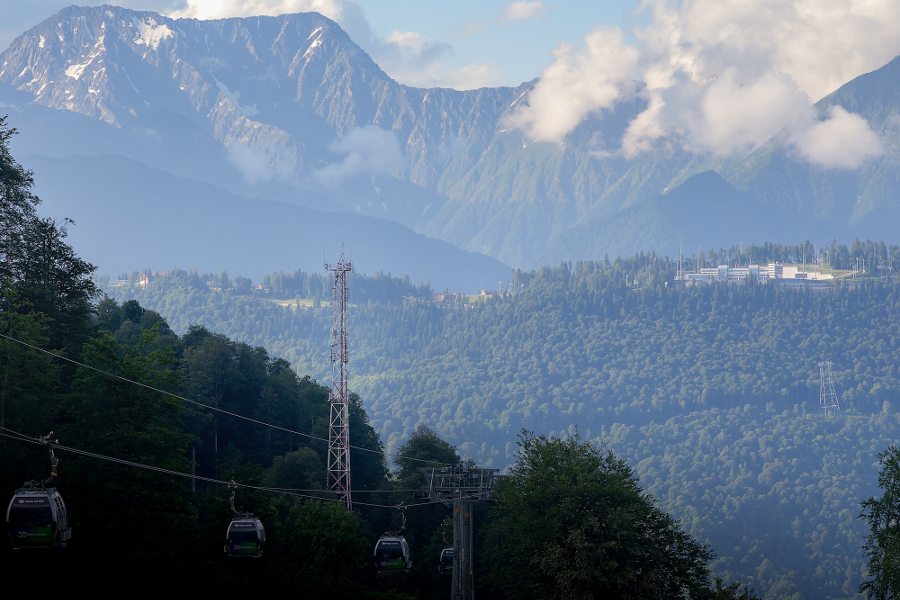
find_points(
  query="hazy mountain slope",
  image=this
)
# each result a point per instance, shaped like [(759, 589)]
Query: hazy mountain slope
[(254, 105), (863, 200), (272, 92), (265, 97), (703, 211), (164, 222)]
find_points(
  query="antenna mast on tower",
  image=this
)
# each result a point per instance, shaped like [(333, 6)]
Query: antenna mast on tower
[(827, 398), (339, 422)]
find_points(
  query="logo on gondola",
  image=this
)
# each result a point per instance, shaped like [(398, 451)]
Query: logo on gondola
[(25, 535)]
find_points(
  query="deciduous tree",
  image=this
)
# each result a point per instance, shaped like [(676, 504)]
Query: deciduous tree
[(574, 524), (882, 547)]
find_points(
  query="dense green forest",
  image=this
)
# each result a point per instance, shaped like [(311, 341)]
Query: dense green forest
[(155, 428), (710, 392)]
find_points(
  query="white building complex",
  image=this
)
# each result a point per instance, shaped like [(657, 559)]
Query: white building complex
[(762, 273)]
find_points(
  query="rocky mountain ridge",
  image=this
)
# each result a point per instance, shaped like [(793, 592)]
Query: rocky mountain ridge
[(289, 108)]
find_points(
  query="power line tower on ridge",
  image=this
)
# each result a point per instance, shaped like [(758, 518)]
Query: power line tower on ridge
[(827, 398), (339, 422)]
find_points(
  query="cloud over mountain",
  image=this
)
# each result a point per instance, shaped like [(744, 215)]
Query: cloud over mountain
[(524, 10), (369, 150), (578, 82), (723, 76)]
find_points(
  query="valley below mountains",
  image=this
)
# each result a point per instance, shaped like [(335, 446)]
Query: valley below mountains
[(710, 392)]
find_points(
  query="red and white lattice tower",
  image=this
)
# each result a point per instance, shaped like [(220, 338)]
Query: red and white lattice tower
[(339, 422)]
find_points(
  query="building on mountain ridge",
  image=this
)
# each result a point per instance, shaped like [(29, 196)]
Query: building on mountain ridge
[(762, 273)]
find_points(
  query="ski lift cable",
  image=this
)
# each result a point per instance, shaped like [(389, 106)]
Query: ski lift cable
[(284, 491), (208, 407)]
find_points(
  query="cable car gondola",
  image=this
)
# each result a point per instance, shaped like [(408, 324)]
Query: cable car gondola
[(37, 516), (246, 536), (392, 551), (445, 563), (392, 554)]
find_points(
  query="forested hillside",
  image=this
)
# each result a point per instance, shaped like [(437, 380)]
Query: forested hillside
[(711, 392), (170, 442)]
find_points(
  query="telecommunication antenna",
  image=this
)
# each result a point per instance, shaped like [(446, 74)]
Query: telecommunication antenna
[(339, 422), (459, 488), (827, 398)]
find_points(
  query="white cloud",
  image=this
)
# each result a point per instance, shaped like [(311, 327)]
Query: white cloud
[(723, 76), (578, 82), (468, 77), (524, 10), (369, 150), (416, 60), (408, 50), (726, 114), (408, 40), (841, 141), (467, 27), (254, 166), (222, 9), (262, 164)]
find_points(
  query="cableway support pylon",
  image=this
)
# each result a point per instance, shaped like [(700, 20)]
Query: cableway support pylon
[(459, 488)]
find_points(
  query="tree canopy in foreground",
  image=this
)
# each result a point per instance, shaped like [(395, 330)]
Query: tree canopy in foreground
[(572, 523), (882, 547)]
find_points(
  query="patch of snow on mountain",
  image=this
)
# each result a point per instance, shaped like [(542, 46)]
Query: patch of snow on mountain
[(75, 71), (514, 102), (41, 43), (151, 34), (234, 98), (318, 29), (316, 42)]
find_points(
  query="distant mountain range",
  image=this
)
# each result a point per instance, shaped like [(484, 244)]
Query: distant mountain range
[(279, 111), (163, 221)]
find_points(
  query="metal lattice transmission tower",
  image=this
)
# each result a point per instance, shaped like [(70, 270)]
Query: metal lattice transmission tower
[(339, 422), (827, 398), (459, 488)]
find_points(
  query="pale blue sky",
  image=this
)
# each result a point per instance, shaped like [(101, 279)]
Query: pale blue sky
[(520, 48)]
